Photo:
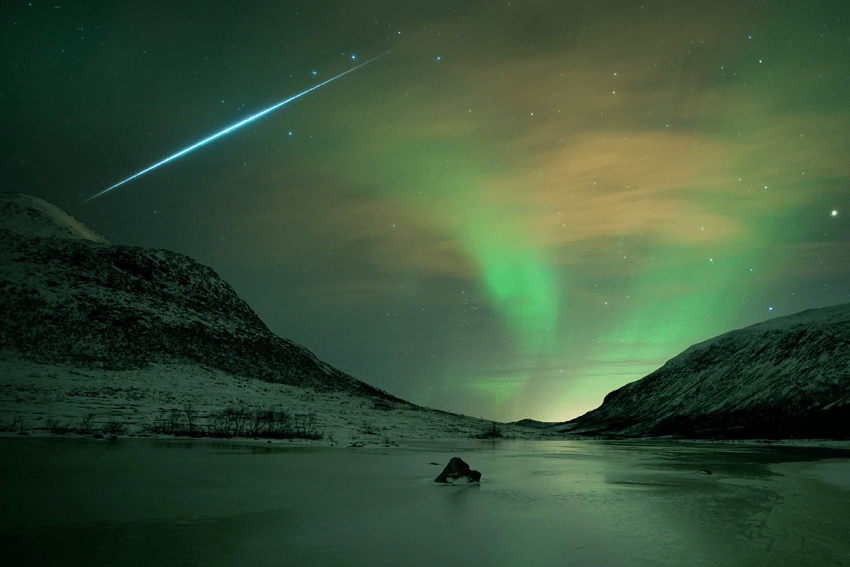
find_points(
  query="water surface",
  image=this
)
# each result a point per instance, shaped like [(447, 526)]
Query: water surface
[(206, 503)]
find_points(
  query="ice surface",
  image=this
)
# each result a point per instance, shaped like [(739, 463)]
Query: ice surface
[(144, 502)]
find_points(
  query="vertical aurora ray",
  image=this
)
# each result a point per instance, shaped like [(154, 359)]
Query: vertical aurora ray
[(521, 288), (516, 279), (458, 192), (599, 246), (536, 218)]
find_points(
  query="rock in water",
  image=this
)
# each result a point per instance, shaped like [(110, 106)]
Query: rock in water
[(456, 469)]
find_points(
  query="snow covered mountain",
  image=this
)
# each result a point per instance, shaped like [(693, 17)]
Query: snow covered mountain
[(69, 296), (30, 216), (786, 377)]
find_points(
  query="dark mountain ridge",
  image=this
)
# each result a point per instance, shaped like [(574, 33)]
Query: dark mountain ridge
[(67, 295), (785, 377)]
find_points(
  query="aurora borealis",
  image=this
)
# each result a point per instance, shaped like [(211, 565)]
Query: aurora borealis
[(521, 208)]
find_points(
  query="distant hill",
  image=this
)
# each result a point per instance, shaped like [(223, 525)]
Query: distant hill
[(70, 296), (534, 424), (784, 378)]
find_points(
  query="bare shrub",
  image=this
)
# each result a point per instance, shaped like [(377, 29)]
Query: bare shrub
[(491, 432), (190, 418), (233, 421), (86, 425), (19, 425), (229, 422), (173, 421), (305, 427), (114, 428), (57, 428)]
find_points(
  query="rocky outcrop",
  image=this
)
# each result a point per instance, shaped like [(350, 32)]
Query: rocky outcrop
[(786, 377), (457, 469)]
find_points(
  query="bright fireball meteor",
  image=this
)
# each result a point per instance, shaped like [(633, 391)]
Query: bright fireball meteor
[(231, 128)]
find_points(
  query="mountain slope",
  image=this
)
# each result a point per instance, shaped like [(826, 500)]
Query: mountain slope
[(30, 216), (786, 377), (69, 296)]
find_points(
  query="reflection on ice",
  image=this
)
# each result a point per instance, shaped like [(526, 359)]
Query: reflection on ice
[(538, 503)]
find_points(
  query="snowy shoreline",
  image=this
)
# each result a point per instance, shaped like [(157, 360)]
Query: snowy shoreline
[(412, 443), (34, 396)]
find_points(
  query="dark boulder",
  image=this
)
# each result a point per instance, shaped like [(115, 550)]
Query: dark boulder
[(457, 468)]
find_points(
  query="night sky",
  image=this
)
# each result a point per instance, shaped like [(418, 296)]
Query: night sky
[(524, 205)]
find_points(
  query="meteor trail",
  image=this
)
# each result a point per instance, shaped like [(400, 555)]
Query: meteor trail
[(231, 128)]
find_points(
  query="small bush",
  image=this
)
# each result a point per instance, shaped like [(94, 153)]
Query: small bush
[(229, 422), (305, 428), (169, 422), (190, 418), (492, 432), (172, 421), (234, 421), (18, 425), (114, 428), (57, 428), (86, 425)]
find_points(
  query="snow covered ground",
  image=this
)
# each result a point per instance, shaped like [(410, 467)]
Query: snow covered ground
[(32, 395), (364, 493)]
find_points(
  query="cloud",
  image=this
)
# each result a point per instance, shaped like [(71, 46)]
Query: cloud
[(333, 229), (816, 259)]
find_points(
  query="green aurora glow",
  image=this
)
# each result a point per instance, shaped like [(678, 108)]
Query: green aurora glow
[(570, 195)]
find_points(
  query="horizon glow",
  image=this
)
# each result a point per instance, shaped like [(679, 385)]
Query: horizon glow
[(543, 215)]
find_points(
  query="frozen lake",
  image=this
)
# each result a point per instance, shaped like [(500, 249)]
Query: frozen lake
[(540, 503)]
